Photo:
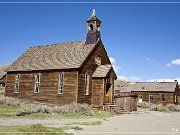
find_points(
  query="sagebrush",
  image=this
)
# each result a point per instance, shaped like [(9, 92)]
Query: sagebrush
[(83, 109), (160, 107), (9, 101)]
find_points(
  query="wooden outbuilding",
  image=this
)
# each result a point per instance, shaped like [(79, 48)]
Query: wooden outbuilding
[(153, 92), (64, 73)]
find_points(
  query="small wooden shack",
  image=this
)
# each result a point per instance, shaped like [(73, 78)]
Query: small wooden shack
[(153, 92), (64, 73)]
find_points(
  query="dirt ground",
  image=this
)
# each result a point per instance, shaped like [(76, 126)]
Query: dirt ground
[(142, 123), (136, 123)]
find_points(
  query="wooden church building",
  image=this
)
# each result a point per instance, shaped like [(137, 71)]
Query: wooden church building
[(79, 72)]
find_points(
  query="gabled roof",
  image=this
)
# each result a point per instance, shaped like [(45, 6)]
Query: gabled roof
[(2, 70), (149, 86), (102, 71), (68, 55)]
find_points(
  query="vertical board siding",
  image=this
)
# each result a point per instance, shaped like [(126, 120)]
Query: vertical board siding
[(97, 92), (48, 91)]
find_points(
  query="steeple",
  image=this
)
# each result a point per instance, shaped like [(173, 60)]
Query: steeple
[(93, 29)]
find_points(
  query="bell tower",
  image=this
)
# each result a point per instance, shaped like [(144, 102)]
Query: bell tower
[(93, 29)]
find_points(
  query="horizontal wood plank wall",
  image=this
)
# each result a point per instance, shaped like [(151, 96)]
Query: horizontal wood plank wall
[(97, 92), (169, 97), (48, 91), (90, 67)]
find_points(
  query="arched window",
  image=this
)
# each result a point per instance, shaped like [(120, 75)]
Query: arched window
[(16, 89), (37, 82), (61, 82), (87, 80), (91, 27)]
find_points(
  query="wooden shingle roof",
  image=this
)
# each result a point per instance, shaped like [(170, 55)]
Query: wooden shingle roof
[(102, 71), (2, 70), (68, 55), (149, 86)]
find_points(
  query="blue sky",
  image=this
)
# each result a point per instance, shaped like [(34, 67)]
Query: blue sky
[(143, 40)]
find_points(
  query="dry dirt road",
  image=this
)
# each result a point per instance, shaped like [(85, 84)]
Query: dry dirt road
[(142, 123), (136, 123)]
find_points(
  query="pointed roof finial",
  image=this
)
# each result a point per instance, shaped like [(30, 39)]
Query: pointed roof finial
[(94, 12), (93, 17)]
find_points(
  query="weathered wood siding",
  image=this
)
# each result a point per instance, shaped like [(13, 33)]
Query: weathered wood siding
[(48, 91), (90, 67), (169, 97), (97, 92)]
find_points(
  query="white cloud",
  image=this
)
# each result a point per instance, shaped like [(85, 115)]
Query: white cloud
[(115, 66), (131, 78), (173, 62), (164, 80)]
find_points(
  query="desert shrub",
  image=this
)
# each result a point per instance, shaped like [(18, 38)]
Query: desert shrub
[(172, 107), (159, 107), (74, 108), (25, 112), (144, 105), (165, 109), (153, 108), (9, 101), (45, 109)]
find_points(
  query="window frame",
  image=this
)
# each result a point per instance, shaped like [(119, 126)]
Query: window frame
[(61, 83), (87, 83), (151, 101), (98, 60), (140, 95), (38, 83), (17, 80), (162, 97)]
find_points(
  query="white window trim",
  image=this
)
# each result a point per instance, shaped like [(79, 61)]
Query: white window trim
[(16, 90), (150, 98), (36, 82), (87, 82), (61, 82)]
